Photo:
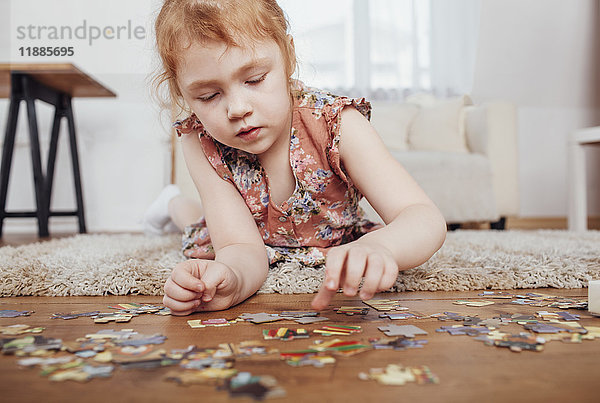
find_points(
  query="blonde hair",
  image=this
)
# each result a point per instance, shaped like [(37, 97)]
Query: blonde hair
[(181, 22)]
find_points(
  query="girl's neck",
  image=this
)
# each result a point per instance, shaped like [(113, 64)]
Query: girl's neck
[(279, 150)]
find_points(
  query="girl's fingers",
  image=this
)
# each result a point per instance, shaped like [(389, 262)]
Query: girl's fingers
[(179, 307), (389, 276), (336, 258), (212, 278), (373, 275), (183, 277), (333, 277), (321, 300), (354, 270), (175, 292)]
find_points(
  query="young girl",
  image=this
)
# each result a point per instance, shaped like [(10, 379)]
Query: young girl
[(280, 168)]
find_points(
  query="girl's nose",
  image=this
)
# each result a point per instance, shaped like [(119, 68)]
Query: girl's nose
[(238, 108)]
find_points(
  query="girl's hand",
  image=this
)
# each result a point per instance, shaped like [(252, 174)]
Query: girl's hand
[(198, 284), (346, 265)]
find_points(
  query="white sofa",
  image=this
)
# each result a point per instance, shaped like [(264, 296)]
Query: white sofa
[(464, 156)]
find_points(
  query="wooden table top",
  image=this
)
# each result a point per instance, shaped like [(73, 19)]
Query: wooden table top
[(64, 77), (469, 371)]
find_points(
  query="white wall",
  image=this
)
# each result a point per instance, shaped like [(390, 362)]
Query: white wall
[(124, 147), (544, 55)]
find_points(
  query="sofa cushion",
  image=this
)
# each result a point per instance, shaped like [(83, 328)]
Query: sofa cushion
[(392, 120), (439, 126), (459, 184)]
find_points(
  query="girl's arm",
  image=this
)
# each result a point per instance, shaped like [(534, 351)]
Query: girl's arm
[(240, 266), (415, 229)]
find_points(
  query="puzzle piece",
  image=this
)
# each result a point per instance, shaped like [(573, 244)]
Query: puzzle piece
[(208, 376), (261, 317), (82, 373), (399, 343), (515, 342), (396, 374), (73, 315), (298, 314), (111, 334), (44, 362), (11, 313), (14, 330), (400, 315), (141, 340), (309, 320), (352, 310), (29, 345), (257, 387), (496, 295), (402, 330), (338, 330), (284, 333), (112, 317), (385, 305), (473, 303), (463, 330), (198, 323), (340, 347)]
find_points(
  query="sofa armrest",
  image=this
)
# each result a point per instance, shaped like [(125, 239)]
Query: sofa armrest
[(491, 130)]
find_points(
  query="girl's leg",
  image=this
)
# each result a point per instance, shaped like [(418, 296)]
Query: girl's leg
[(184, 211)]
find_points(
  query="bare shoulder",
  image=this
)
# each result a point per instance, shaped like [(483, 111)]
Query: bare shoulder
[(385, 183)]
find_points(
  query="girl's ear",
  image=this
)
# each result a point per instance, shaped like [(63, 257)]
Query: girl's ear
[(292, 54)]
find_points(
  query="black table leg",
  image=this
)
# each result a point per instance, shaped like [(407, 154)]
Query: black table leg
[(7, 154), (36, 160), (75, 161)]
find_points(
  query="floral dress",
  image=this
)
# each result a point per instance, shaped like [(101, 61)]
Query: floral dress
[(322, 211)]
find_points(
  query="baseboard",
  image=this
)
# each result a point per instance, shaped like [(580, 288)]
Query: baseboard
[(533, 223), (546, 223)]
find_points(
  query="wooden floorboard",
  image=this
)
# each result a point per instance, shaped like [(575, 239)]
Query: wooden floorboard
[(468, 370)]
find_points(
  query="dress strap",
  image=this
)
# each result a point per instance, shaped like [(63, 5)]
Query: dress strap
[(333, 116)]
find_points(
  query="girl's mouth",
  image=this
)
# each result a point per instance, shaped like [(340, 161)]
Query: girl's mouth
[(249, 134)]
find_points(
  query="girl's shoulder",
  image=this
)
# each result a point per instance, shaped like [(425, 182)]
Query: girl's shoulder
[(324, 103), (309, 97), (191, 124)]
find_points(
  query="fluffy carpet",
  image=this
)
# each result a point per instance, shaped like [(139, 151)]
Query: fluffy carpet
[(136, 264)]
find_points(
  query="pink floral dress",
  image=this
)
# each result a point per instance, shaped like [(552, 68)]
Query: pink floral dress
[(322, 211)]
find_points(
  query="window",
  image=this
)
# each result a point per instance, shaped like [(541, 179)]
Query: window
[(385, 49)]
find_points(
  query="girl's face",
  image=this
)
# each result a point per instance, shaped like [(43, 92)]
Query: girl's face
[(240, 94)]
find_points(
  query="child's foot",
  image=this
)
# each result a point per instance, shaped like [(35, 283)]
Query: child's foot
[(157, 216)]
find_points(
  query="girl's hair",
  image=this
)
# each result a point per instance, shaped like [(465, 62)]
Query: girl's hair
[(234, 22)]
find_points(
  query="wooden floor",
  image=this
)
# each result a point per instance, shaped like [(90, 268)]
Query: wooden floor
[(469, 371)]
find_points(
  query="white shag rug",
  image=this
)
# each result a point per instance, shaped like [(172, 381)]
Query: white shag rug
[(136, 264)]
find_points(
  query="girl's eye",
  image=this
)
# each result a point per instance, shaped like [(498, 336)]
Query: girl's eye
[(257, 80), (207, 97)]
